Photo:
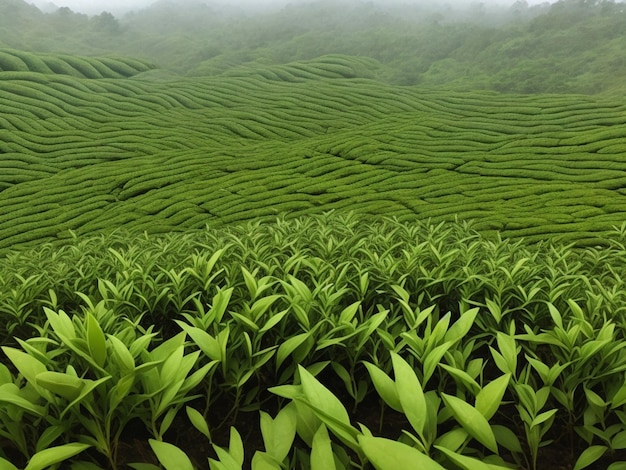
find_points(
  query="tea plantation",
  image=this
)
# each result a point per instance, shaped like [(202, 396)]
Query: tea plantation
[(159, 154), (303, 265)]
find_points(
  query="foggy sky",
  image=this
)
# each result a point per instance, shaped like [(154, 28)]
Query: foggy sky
[(92, 7)]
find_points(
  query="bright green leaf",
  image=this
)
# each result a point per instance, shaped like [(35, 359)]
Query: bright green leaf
[(386, 454), (53, 455), (410, 393), (170, 456), (589, 456), (463, 461), (95, 340), (489, 398), (385, 387), (198, 421), (472, 421), (321, 452)]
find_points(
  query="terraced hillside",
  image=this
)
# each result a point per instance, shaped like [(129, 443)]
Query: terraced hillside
[(160, 154), (82, 67)]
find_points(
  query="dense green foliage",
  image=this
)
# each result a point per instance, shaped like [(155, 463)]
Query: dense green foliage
[(527, 341), (193, 263), (160, 154), (82, 67), (569, 46)]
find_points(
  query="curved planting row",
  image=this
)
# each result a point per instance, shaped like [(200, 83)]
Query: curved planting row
[(91, 155), (82, 67)]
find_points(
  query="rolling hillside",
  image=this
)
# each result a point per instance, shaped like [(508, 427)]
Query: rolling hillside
[(159, 154), (294, 231)]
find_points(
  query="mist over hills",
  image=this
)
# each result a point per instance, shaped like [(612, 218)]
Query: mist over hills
[(170, 118), (569, 46), (222, 209)]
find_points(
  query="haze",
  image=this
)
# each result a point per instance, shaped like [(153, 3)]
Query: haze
[(121, 6)]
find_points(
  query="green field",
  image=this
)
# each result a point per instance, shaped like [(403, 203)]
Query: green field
[(232, 242), (155, 154)]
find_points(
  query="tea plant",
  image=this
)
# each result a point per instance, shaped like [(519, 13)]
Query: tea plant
[(480, 365)]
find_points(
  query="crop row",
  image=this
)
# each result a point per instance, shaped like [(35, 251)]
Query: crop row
[(189, 151), (82, 67)]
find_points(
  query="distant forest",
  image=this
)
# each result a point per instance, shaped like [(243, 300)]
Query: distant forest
[(571, 46)]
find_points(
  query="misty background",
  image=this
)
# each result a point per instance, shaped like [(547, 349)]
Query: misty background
[(124, 6), (566, 46)]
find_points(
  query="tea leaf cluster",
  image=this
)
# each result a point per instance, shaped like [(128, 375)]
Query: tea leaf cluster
[(481, 351)]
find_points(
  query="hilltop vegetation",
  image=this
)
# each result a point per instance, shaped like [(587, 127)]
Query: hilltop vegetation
[(162, 154), (90, 143), (365, 237), (570, 46)]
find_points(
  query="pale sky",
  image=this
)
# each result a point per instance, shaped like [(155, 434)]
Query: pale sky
[(119, 6)]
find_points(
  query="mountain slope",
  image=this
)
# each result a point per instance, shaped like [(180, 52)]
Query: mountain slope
[(162, 154)]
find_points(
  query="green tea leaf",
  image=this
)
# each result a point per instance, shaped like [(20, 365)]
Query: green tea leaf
[(167, 420), (468, 463), (453, 440), (142, 466), (250, 281), (385, 387), (90, 386), (556, 315), (235, 446), (386, 454), (508, 350), (167, 348), (207, 343), (26, 365), (589, 456), (172, 366), (463, 377), (53, 455), (619, 398), (494, 309), (120, 391), (619, 441), (321, 398), (410, 393), (95, 340), (65, 385), (279, 433), (198, 421), (170, 456), (432, 359), (321, 451), (462, 326), (10, 393), (51, 434), (124, 358), (347, 314), (274, 320), (260, 306), (507, 438), (262, 461), (594, 399), (61, 323), (245, 321), (6, 465), (328, 408), (489, 398), (220, 302), (472, 421), (226, 461), (289, 346), (542, 417)]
